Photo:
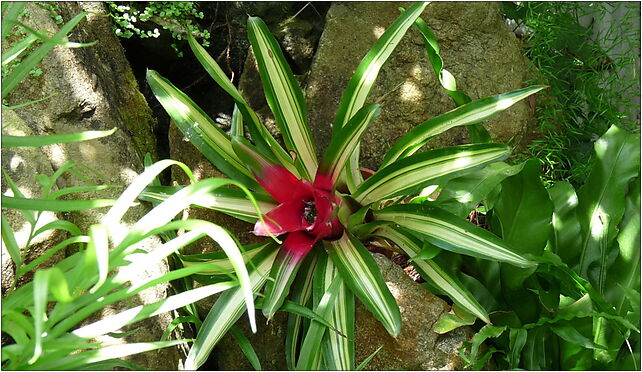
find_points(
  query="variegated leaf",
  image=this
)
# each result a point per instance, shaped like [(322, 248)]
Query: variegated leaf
[(411, 174), (432, 272), (362, 276), (471, 113), (227, 310), (451, 233), (261, 136), (284, 96), (230, 201), (199, 129)]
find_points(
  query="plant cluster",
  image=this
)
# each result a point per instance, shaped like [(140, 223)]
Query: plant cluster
[(587, 69), (179, 17), (323, 213), (44, 318)]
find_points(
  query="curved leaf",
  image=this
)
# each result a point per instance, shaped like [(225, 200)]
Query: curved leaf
[(284, 96), (361, 83), (37, 141), (471, 113), (430, 271), (199, 129), (227, 310), (345, 141), (362, 276), (260, 135), (601, 199), (411, 174), (230, 201), (451, 233)]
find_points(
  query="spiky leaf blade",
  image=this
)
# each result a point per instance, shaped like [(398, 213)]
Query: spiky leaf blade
[(362, 276)]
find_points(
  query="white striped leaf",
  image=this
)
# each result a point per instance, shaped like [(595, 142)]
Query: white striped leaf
[(431, 272), (283, 272), (302, 293), (362, 276), (451, 233), (219, 262), (260, 135), (478, 134), (284, 96), (359, 87), (230, 201), (471, 113), (199, 129), (338, 349), (227, 310), (346, 140), (411, 174), (365, 75), (326, 288)]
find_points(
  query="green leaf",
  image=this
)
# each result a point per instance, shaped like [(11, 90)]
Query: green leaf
[(568, 333), (601, 200), (97, 254), (365, 362), (14, 51), (199, 129), (625, 275), (338, 347), (450, 232), (326, 290), (361, 83), (37, 141), (517, 338), (246, 348), (261, 136), (471, 113), (345, 141), (447, 322), (362, 276), (11, 13), (487, 331), (282, 275), (16, 76), (415, 172), (9, 241), (54, 205), (430, 271), (283, 95), (463, 194), (227, 310), (566, 227), (524, 210), (302, 293), (477, 133), (230, 201)]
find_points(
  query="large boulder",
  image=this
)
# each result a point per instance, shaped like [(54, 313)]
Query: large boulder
[(92, 88), (477, 48)]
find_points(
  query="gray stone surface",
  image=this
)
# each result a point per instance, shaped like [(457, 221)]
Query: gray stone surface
[(93, 89), (417, 347), (477, 48)]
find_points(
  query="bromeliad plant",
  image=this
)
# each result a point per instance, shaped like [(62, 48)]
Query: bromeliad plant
[(323, 211)]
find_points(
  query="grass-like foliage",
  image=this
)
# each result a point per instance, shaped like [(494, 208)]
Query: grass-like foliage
[(324, 211), (590, 66)]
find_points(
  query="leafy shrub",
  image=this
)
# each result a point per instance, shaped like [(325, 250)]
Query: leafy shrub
[(177, 16), (580, 308), (588, 71), (326, 208), (43, 317)]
